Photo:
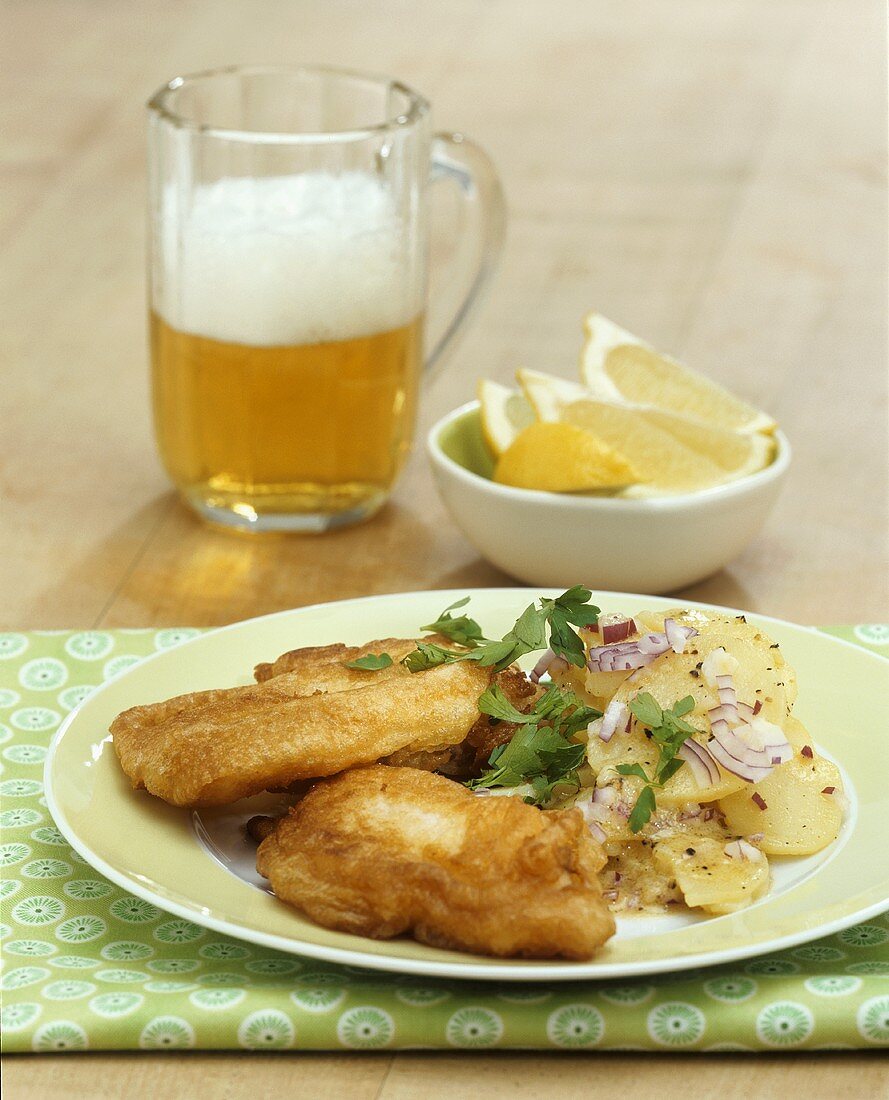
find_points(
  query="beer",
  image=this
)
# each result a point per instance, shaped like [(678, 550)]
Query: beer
[(304, 428), (286, 348)]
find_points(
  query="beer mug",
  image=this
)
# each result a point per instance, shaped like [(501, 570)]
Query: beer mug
[(288, 229)]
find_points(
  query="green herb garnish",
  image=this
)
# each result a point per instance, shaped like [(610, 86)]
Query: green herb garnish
[(373, 662), (668, 731), (644, 808), (459, 628), (527, 635), (541, 752), (574, 607), (428, 655)]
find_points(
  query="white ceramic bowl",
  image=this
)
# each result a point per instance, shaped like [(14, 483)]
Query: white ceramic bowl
[(556, 540)]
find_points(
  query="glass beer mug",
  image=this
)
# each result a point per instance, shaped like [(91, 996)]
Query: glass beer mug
[(288, 249)]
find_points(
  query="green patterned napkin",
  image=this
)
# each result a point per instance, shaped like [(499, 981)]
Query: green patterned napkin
[(87, 966)]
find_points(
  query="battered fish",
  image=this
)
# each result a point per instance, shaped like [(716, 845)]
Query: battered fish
[(469, 759), (384, 851), (214, 747), (325, 667)]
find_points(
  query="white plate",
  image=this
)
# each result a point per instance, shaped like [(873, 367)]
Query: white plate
[(198, 866)]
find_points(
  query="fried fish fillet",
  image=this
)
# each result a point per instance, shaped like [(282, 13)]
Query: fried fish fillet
[(384, 851), (469, 759), (325, 667), (214, 747)]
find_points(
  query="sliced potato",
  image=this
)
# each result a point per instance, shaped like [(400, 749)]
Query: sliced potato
[(635, 748), (732, 627), (598, 688), (664, 821), (595, 688), (672, 677), (654, 620), (675, 675), (796, 733), (799, 817), (776, 681), (707, 877), (782, 674)]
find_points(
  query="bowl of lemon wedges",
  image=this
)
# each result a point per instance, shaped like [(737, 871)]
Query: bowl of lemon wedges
[(642, 476)]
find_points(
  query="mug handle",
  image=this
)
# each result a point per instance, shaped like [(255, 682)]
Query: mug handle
[(456, 158)]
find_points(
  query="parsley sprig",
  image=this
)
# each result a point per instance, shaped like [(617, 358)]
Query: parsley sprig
[(572, 607), (668, 731), (371, 662), (459, 628), (541, 752), (528, 634)]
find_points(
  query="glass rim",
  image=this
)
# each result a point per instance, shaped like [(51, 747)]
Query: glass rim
[(159, 106)]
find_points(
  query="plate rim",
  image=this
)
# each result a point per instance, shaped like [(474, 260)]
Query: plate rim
[(532, 971)]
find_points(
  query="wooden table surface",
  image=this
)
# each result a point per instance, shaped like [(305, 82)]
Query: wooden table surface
[(711, 175)]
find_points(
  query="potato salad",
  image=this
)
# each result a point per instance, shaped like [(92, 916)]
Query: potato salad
[(697, 773)]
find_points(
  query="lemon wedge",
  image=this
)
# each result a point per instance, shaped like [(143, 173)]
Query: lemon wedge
[(504, 413), (617, 366), (562, 458), (548, 395), (669, 453), (738, 453)]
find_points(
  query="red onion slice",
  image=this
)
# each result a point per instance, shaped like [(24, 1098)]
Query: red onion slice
[(653, 643), (542, 666), (623, 647), (606, 795), (615, 714), (719, 725), (593, 813), (607, 660), (737, 767), (626, 656), (749, 750), (701, 763), (718, 663), (631, 661), (614, 627), (767, 738), (736, 746), (677, 635), (725, 689), (621, 656), (741, 850), (549, 662)]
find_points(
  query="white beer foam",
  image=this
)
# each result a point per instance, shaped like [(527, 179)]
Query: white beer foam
[(295, 259)]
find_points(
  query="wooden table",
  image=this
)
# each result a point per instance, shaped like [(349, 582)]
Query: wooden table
[(708, 174)]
